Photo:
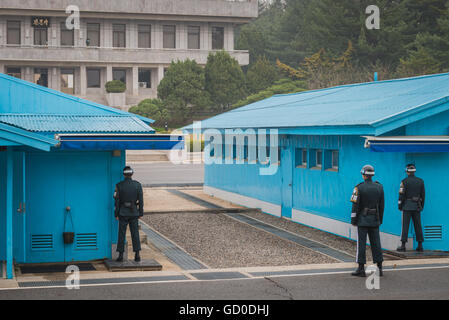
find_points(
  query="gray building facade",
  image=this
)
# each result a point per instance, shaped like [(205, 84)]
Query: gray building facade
[(133, 41)]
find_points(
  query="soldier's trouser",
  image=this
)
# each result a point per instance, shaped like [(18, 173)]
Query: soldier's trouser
[(133, 227), (416, 217), (374, 239)]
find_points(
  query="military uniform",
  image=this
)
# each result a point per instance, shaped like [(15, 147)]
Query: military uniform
[(367, 214), (128, 208), (411, 203)]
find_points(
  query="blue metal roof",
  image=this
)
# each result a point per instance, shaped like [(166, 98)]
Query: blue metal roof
[(365, 107), (75, 124), (35, 108), (11, 136)]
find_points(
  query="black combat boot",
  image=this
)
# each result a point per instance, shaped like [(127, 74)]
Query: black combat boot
[(137, 257), (360, 272), (120, 257), (401, 248), (379, 265), (420, 248)]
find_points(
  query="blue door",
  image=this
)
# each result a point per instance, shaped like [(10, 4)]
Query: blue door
[(45, 190), (19, 207), (89, 199), (286, 168), (68, 192)]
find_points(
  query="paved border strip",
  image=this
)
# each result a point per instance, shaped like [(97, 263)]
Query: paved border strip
[(313, 245), (219, 275), (201, 202), (33, 284), (171, 250)]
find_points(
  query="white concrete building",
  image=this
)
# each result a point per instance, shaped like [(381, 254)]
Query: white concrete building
[(133, 41)]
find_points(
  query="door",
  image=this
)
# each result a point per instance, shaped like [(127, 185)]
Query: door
[(19, 206), (45, 190), (68, 193), (87, 195), (286, 162)]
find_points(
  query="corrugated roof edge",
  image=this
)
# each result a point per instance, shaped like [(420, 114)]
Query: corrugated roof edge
[(74, 98), (360, 84)]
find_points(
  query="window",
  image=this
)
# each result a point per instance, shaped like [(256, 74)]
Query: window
[(217, 38), (144, 78), (40, 36), (193, 37), (93, 35), (41, 77), (119, 35), (301, 158), (335, 160), (93, 78), (169, 37), (119, 74), (144, 36), (14, 72), (319, 158), (13, 32), (67, 36), (68, 81)]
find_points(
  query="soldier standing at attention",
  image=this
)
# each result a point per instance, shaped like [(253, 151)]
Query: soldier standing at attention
[(128, 209), (367, 214), (411, 203)]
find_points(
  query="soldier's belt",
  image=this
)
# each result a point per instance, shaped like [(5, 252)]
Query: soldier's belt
[(368, 211)]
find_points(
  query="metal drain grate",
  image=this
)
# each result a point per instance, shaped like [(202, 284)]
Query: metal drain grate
[(171, 251), (318, 247), (433, 232)]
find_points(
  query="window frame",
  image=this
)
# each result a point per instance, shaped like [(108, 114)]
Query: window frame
[(90, 31), (165, 33), (214, 39), (40, 31), (119, 35), (99, 77), (9, 28), (197, 34), (142, 33), (140, 71), (63, 30)]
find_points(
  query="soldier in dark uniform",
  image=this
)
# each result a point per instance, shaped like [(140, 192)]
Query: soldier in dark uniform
[(411, 203), (128, 209), (367, 214)]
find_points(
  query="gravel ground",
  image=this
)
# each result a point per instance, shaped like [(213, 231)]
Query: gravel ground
[(331, 240), (222, 242)]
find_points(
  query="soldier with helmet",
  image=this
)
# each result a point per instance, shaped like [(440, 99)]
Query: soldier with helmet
[(128, 209), (367, 214), (411, 203)]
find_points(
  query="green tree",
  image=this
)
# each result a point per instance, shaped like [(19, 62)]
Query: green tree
[(261, 75), (429, 53), (225, 80), (183, 90), (153, 109)]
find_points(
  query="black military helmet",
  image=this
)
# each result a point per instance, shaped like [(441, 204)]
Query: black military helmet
[(128, 171), (367, 170), (410, 168)]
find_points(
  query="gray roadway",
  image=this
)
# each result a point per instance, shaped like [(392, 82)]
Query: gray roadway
[(423, 283), (166, 173)]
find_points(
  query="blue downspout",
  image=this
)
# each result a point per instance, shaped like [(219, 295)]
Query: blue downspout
[(9, 209)]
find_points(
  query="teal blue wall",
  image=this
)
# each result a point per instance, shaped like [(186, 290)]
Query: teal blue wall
[(327, 193)]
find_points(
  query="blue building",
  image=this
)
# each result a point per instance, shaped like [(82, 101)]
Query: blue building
[(325, 137), (60, 158)]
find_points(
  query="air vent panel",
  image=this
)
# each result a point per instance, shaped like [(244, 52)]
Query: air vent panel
[(86, 241), (41, 242), (433, 232)]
